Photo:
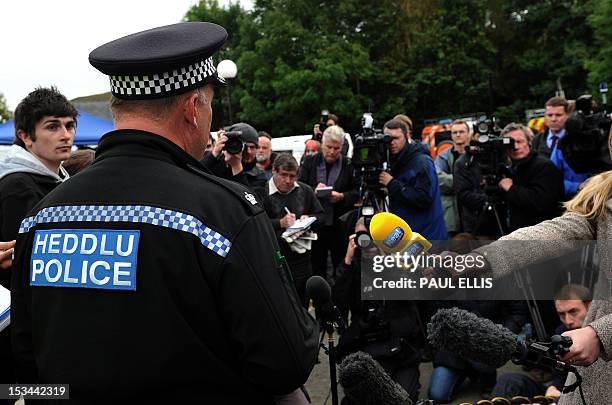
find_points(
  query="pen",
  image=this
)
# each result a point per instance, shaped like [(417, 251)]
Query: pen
[(287, 210)]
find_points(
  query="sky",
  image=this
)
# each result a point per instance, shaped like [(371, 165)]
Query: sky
[(44, 43)]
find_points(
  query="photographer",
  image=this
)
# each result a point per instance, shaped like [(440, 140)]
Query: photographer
[(414, 194), (535, 187), (384, 329), (240, 166)]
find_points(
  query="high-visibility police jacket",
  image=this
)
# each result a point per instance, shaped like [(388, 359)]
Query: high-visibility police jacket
[(145, 277)]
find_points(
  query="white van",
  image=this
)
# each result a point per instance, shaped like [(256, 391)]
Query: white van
[(297, 144)]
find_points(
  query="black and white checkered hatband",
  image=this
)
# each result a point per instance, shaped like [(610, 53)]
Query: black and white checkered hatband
[(165, 84)]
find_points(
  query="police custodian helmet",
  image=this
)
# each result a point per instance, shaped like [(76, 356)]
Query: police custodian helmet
[(161, 62)]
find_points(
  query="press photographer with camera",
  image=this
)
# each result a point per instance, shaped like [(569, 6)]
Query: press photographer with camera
[(384, 329), (233, 156), (414, 194), (534, 186)]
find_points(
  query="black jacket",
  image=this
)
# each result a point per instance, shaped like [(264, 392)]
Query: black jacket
[(300, 201), (346, 183), (471, 198), (210, 313), (252, 177), (536, 192), (19, 193), (539, 144)]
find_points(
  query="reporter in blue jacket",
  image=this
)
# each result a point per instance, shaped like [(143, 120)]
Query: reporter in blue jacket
[(414, 193)]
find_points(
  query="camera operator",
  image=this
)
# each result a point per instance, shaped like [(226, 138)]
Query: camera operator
[(535, 187), (329, 168), (414, 194), (408, 122), (469, 185), (384, 329), (240, 166)]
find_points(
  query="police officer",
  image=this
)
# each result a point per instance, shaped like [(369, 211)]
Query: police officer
[(145, 276)]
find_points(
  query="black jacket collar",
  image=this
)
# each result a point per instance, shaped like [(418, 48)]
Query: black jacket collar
[(138, 143)]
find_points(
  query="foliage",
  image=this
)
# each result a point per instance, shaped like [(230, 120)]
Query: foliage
[(425, 58), (5, 114)]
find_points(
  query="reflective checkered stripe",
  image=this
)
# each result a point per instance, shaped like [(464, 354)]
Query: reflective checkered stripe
[(140, 214), (162, 83)]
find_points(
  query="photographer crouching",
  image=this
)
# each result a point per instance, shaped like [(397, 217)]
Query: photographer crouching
[(534, 187), (383, 329)]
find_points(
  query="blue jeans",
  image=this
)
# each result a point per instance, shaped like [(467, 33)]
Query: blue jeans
[(442, 384), (444, 380)]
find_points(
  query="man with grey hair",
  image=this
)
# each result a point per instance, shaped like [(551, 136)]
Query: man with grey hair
[(170, 281), (332, 176), (535, 187)]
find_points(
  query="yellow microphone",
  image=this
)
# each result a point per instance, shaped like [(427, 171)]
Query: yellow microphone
[(392, 234)]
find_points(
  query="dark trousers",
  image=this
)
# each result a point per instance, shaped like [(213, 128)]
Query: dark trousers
[(514, 384), (301, 270), (7, 365), (332, 240)]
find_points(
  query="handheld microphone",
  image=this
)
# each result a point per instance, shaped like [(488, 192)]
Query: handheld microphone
[(392, 234), (365, 382), (320, 292), (479, 339)]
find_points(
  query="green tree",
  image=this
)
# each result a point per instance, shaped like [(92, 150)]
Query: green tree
[(600, 63), (237, 22), (5, 114)]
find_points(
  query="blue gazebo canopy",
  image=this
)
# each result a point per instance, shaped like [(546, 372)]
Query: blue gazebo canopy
[(90, 129)]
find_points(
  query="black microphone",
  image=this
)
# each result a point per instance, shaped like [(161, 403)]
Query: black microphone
[(320, 292), (479, 339), (365, 382), (471, 337)]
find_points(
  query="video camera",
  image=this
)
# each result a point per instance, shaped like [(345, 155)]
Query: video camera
[(585, 146), (489, 151), (371, 152)]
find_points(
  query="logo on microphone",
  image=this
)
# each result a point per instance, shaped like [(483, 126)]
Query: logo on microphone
[(394, 238)]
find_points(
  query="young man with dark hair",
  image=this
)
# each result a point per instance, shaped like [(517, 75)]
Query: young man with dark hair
[(555, 115), (572, 304), (45, 123)]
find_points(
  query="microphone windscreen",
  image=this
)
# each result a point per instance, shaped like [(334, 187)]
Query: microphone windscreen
[(471, 337), (365, 382), (390, 232), (318, 290)]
